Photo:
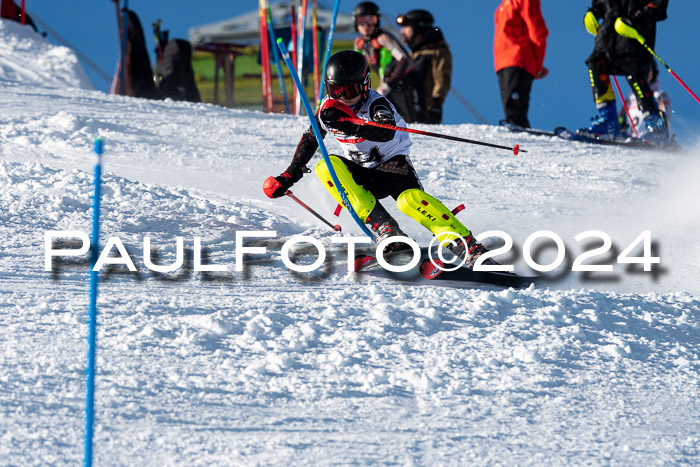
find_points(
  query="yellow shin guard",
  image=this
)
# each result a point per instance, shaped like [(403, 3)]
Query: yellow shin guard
[(431, 214), (361, 200)]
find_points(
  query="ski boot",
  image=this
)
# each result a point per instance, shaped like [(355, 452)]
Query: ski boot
[(655, 128), (606, 123), (471, 251), (386, 226)]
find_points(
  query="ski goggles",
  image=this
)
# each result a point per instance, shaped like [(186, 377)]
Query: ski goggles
[(367, 20), (350, 91)]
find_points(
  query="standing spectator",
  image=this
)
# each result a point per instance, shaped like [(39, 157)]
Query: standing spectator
[(432, 58), (387, 57), (616, 53), (519, 47)]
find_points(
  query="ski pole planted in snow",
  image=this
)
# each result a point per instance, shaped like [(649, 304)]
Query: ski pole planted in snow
[(92, 315), (319, 139), (628, 31), (358, 121), (335, 227)]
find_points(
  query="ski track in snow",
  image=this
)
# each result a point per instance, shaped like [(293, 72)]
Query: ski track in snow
[(268, 367)]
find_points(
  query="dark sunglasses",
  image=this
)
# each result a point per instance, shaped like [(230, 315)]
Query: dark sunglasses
[(350, 91)]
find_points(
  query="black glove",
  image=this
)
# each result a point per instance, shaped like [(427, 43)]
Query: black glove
[(434, 113), (333, 111), (275, 187)]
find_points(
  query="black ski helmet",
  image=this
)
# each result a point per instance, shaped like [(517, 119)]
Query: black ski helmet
[(419, 20), (365, 9), (344, 68)]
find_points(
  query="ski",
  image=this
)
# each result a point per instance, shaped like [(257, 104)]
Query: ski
[(433, 272), (518, 129), (630, 142), (429, 272)]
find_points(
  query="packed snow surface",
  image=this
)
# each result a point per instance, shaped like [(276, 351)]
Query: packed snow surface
[(27, 57), (271, 367)]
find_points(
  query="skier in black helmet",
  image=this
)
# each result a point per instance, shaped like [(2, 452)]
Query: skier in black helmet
[(375, 163), (432, 57), (387, 57)]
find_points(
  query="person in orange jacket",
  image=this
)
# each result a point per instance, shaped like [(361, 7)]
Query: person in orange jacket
[(519, 48)]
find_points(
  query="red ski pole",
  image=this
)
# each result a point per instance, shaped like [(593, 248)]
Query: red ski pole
[(673, 73), (626, 30), (360, 121), (303, 205), (624, 104)]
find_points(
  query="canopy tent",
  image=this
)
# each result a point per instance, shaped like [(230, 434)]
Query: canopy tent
[(245, 28)]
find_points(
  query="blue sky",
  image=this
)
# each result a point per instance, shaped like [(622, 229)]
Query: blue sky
[(563, 98)]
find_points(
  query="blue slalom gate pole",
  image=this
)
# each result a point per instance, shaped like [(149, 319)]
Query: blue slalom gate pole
[(317, 132), (329, 45), (271, 33), (92, 315), (125, 29)]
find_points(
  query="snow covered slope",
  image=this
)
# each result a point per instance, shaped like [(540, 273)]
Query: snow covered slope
[(266, 366), (28, 57)]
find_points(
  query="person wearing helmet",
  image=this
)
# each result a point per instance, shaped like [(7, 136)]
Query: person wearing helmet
[(519, 46), (432, 58), (616, 53), (387, 57), (375, 163)]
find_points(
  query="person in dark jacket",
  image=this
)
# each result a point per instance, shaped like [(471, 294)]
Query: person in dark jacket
[(519, 46), (397, 73), (432, 58), (616, 53)]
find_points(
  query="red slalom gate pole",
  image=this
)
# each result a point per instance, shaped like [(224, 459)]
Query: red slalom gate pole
[(293, 53), (335, 227), (314, 26), (516, 150), (624, 104)]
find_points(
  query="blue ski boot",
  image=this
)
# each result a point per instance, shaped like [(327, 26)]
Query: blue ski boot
[(655, 129), (606, 123)]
